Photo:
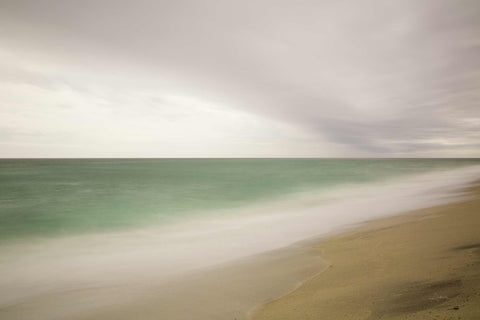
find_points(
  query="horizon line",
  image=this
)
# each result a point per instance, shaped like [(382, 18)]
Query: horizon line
[(218, 158)]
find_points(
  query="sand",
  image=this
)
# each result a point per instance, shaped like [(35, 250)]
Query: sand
[(421, 265)]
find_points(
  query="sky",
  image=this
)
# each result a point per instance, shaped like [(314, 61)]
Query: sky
[(201, 78)]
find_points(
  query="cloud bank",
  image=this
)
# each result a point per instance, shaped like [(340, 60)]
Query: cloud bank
[(240, 78)]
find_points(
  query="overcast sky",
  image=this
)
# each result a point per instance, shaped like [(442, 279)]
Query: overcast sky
[(243, 78)]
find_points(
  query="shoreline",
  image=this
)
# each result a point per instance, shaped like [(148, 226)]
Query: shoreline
[(232, 290), (324, 295)]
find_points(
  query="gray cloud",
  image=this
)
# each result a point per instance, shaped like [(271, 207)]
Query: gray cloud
[(377, 76)]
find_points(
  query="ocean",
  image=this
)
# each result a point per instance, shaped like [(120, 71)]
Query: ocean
[(76, 230), (58, 197)]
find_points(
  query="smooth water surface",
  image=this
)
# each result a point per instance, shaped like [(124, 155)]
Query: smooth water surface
[(52, 197)]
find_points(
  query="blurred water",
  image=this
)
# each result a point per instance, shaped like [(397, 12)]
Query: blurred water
[(140, 236), (63, 196)]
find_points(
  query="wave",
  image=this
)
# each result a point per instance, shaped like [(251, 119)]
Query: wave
[(54, 265)]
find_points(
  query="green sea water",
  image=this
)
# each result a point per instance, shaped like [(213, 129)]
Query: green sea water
[(44, 197)]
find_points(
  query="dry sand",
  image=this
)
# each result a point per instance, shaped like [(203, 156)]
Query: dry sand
[(421, 265)]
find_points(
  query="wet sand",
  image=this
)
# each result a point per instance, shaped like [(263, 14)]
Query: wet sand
[(421, 265)]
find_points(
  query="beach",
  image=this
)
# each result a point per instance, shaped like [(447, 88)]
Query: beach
[(421, 265), (239, 160), (380, 248)]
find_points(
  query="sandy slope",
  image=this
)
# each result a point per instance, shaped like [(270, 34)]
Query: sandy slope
[(422, 265)]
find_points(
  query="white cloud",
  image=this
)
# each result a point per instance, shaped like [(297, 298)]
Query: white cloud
[(366, 78), (112, 117)]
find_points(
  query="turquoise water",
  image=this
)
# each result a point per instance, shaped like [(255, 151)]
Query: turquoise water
[(67, 196)]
